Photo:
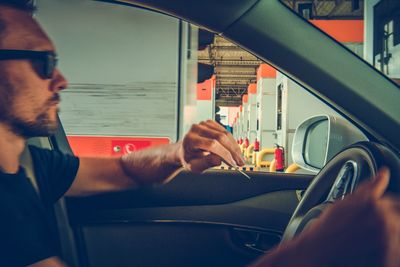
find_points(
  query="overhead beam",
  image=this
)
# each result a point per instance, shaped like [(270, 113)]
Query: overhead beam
[(229, 101)]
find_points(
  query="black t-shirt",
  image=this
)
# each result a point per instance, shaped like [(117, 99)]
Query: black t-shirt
[(28, 231)]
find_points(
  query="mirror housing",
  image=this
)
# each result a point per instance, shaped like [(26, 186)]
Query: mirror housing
[(320, 138)]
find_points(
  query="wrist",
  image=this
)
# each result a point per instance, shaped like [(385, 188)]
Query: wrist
[(152, 166), (174, 159), (175, 156)]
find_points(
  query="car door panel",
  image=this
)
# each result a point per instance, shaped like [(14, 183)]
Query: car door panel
[(216, 218)]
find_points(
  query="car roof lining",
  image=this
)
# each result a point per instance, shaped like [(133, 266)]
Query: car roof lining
[(216, 19)]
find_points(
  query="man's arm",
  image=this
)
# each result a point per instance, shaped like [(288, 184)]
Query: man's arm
[(96, 175), (206, 145)]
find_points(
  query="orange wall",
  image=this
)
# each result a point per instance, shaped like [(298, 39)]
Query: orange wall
[(344, 31), (245, 99), (265, 71), (252, 89), (205, 89)]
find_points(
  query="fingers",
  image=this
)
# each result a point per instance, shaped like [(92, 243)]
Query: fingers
[(208, 144), (380, 182), (223, 137), (213, 124), (375, 188), (200, 164), (196, 142), (217, 127)]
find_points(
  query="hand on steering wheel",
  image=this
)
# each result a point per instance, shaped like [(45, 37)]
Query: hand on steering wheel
[(361, 230), (340, 177)]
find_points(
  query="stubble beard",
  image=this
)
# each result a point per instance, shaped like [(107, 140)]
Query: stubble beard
[(42, 125)]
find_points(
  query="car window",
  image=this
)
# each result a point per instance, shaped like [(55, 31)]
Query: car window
[(273, 105), (123, 78), (141, 78)]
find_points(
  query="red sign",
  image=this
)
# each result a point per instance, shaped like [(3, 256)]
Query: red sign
[(106, 146)]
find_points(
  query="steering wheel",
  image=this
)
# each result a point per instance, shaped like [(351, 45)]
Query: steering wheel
[(341, 176)]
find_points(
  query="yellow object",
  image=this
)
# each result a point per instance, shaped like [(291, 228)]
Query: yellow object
[(242, 148), (249, 151), (292, 168), (272, 166), (254, 158), (260, 156)]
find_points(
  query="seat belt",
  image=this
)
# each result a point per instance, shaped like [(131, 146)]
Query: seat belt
[(26, 159), (65, 233), (27, 164)]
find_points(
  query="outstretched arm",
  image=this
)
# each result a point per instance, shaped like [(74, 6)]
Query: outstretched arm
[(206, 145)]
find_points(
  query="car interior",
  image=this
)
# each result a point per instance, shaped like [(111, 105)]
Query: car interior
[(220, 217)]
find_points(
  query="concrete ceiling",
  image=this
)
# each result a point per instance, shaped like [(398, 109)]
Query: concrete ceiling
[(235, 68)]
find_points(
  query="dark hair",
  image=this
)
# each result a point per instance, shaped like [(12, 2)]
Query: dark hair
[(26, 5)]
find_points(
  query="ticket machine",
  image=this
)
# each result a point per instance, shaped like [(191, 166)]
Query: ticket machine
[(265, 110)]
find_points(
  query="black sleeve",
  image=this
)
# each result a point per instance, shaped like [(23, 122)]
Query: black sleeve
[(54, 172), (25, 232)]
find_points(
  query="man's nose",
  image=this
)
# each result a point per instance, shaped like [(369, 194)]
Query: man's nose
[(58, 82)]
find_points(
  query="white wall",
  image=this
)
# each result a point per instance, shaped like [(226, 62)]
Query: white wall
[(300, 106), (252, 113), (123, 70), (188, 108), (205, 109), (369, 29), (245, 120), (224, 115), (266, 97)]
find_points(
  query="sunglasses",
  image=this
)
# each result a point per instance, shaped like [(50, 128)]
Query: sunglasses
[(44, 62)]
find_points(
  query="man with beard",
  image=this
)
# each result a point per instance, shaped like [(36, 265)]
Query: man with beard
[(30, 85)]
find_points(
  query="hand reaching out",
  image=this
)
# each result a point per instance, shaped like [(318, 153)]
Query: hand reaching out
[(208, 144)]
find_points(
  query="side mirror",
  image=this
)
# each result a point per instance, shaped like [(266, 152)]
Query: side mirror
[(319, 138)]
